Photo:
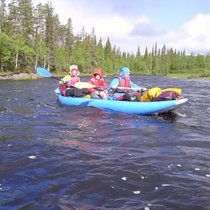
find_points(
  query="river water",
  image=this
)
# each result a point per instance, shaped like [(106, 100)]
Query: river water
[(57, 157)]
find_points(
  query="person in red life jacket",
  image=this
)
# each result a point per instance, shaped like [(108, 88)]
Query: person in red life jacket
[(123, 89), (67, 84), (98, 81)]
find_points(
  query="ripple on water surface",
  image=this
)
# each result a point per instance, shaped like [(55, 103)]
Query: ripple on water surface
[(56, 157)]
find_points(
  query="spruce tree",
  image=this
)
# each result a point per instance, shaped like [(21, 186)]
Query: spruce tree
[(50, 37), (26, 21), (2, 15)]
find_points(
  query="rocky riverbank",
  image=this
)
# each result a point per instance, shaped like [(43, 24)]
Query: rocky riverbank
[(20, 76)]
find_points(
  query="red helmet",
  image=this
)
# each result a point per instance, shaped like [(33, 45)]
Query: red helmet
[(99, 72)]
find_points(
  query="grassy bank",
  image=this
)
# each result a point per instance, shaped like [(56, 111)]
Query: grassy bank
[(29, 76), (189, 76)]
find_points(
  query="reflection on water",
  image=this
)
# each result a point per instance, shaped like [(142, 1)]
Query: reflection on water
[(57, 157), (172, 116)]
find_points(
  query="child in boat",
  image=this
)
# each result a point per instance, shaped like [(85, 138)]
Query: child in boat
[(123, 89), (67, 84), (98, 81)]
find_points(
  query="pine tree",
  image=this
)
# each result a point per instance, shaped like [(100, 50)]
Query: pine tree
[(13, 19), (138, 54), (40, 22), (50, 36), (92, 50), (108, 56), (40, 48), (2, 15), (5, 51), (100, 54), (69, 39), (26, 21), (146, 60), (34, 36)]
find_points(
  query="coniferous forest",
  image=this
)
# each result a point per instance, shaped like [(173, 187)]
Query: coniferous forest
[(32, 35)]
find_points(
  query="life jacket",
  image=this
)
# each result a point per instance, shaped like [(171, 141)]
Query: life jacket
[(69, 79), (98, 83), (124, 83), (66, 82), (72, 81)]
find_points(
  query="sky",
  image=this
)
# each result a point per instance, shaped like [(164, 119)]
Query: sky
[(180, 24)]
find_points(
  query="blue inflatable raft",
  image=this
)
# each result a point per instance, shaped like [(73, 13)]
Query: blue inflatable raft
[(142, 108)]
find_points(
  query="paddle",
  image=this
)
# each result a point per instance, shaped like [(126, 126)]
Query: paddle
[(45, 73), (89, 85), (130, 88)]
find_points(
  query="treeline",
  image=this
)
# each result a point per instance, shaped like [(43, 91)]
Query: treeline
[(32, 36)]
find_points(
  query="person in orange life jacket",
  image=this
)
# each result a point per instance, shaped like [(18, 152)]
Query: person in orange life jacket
[(98, 80), (122, 85), (66, 84)]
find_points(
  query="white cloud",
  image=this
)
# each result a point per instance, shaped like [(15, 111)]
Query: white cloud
[(113, 26), (193, 36), (143, 27), (130, 32), (197, 25)]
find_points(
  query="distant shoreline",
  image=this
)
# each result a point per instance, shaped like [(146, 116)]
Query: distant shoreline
[(30, 76), (19, 76)]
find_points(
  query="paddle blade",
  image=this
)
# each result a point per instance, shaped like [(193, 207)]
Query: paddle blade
[(81, 85), (43, 72)]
